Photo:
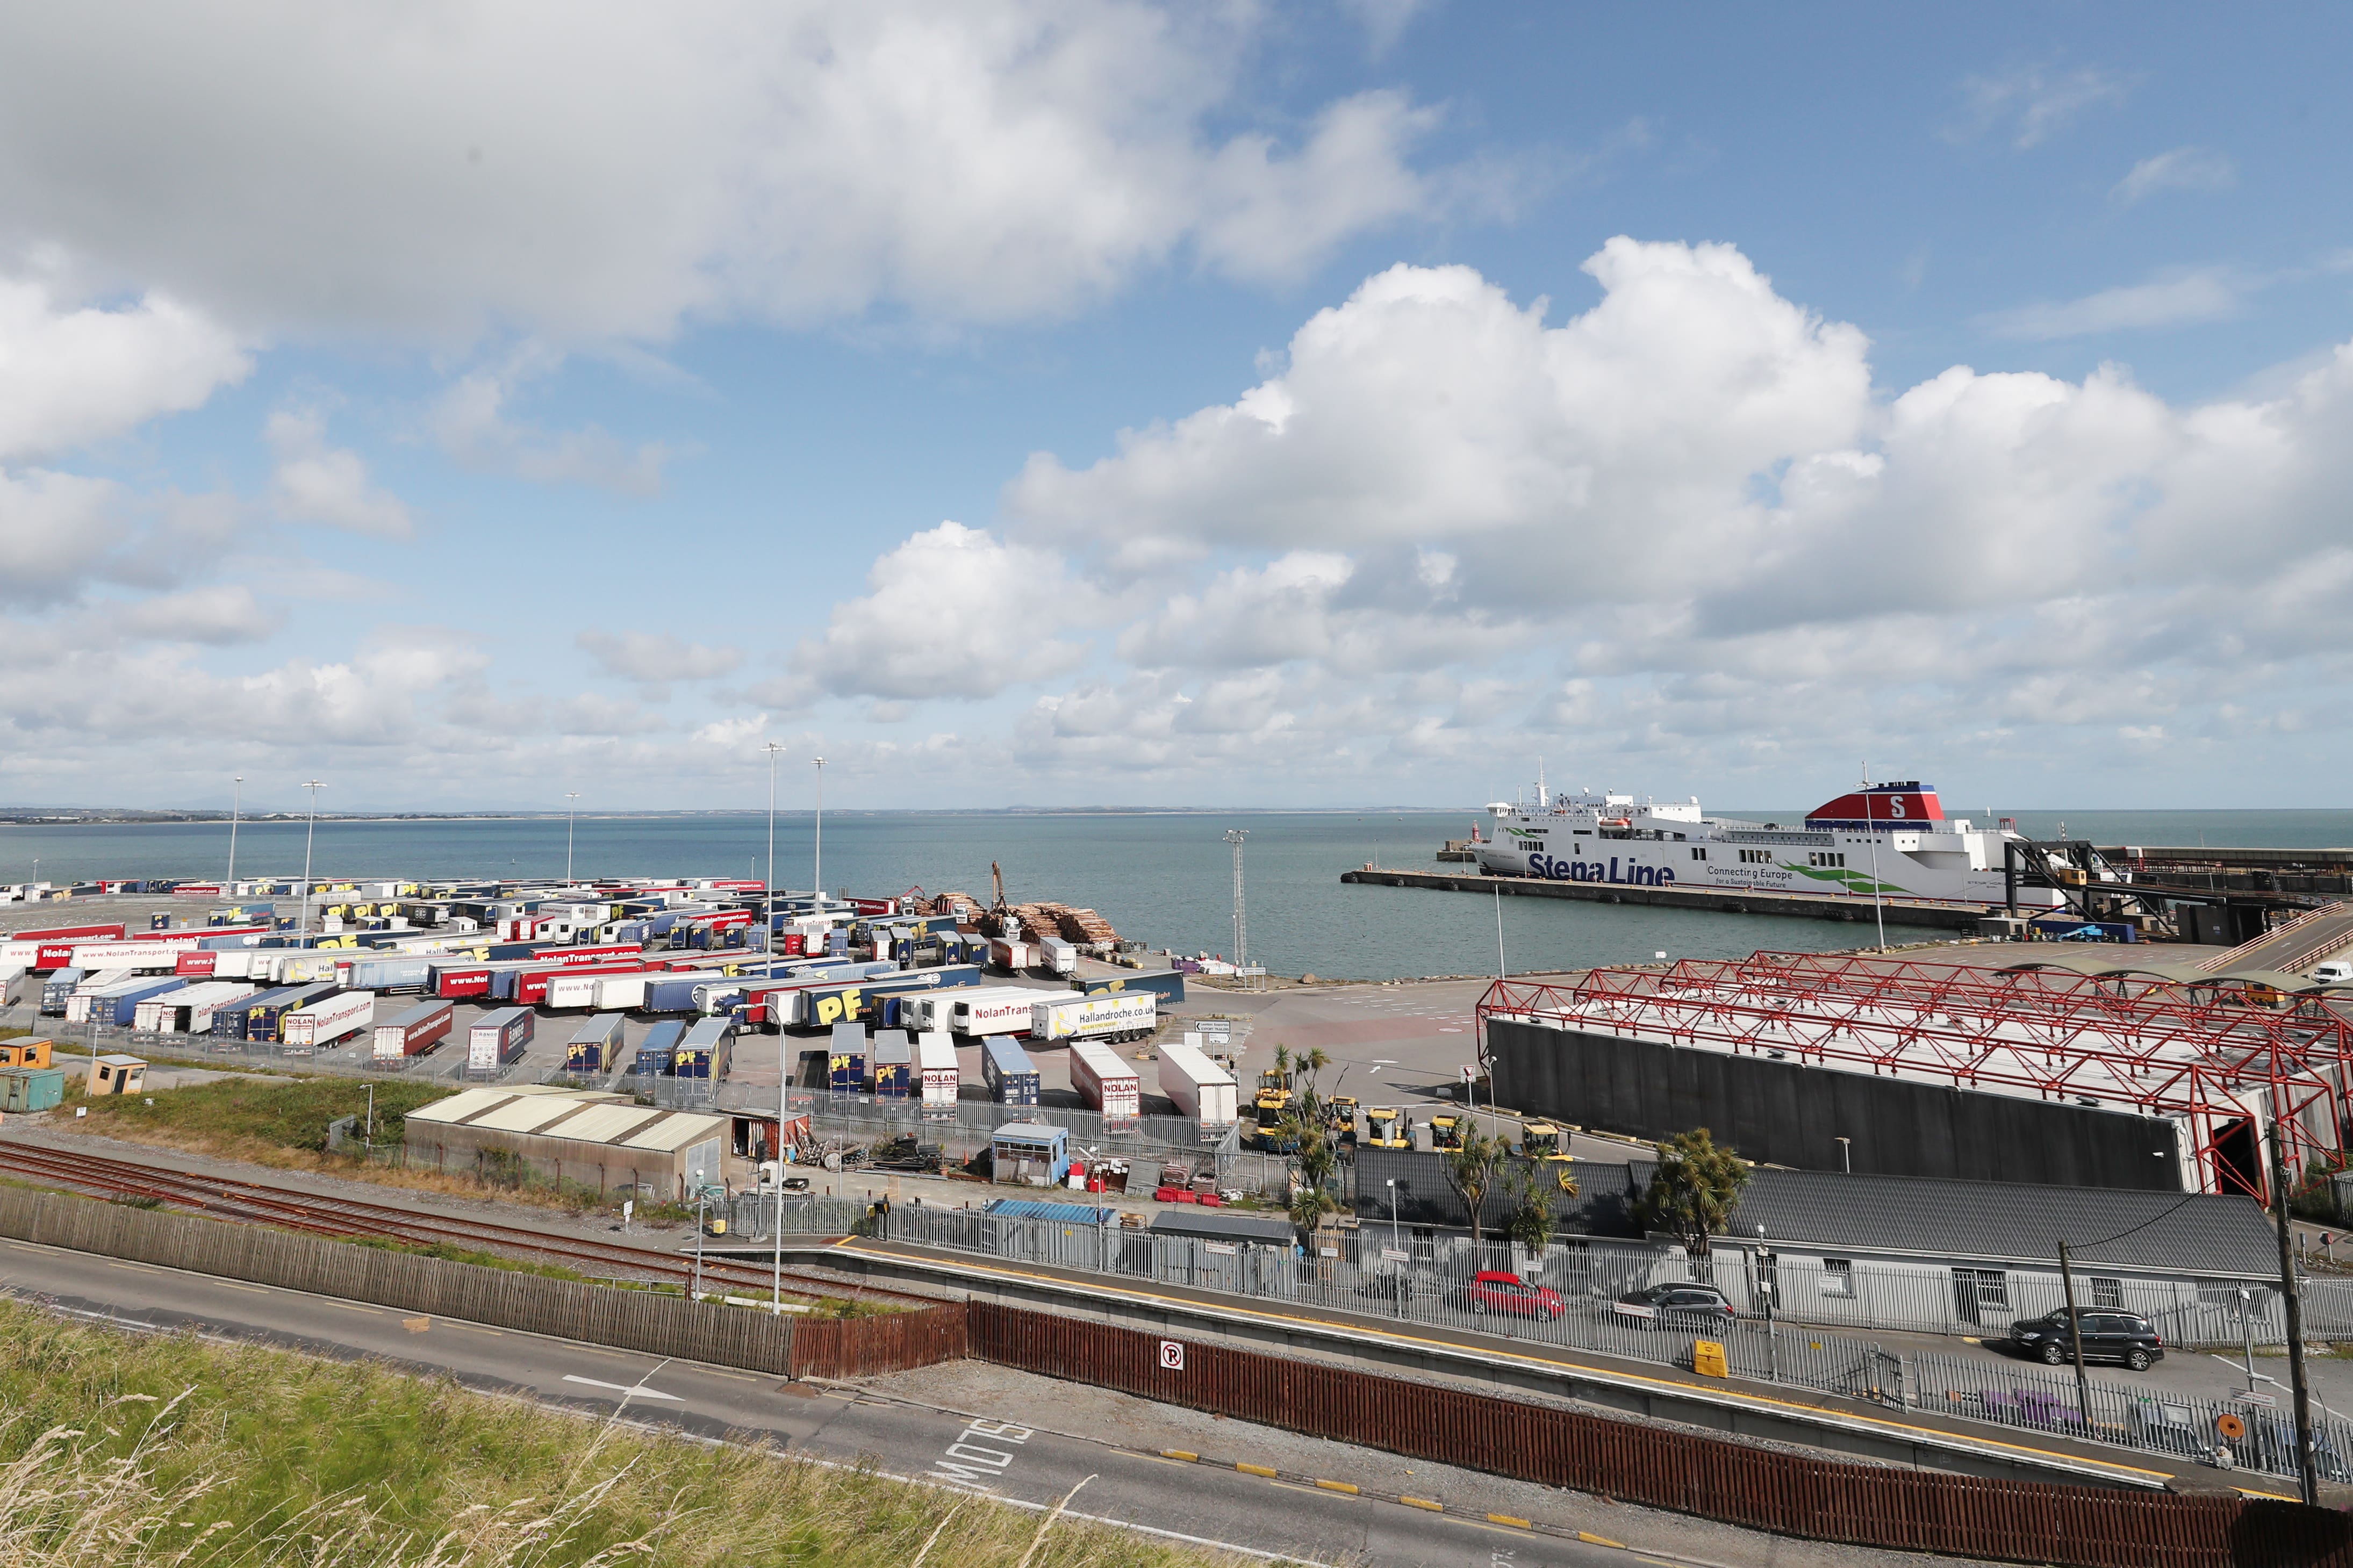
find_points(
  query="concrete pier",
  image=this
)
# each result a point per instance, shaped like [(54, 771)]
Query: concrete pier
[(1723, 900)]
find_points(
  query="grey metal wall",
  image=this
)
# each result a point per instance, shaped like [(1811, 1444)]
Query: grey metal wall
[(1784, 1114)]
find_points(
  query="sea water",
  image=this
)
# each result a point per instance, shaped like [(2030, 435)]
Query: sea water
[(1166, 879)]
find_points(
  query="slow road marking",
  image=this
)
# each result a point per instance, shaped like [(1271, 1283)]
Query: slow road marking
[(636, 1390)]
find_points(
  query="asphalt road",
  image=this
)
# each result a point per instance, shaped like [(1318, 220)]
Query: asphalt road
[(990, 1451)]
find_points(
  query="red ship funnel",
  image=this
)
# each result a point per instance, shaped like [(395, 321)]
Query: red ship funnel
[(1908, 803)]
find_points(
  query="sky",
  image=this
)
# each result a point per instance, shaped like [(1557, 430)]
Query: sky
[(1100, 404)]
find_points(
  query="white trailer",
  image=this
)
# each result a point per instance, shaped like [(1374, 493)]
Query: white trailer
[(1201, 1088), (975, 1011), (1056, 956), (162, 1014), (323, 1022), (571, 991), (149, 1016), (935, 1065), (1112, 1016), (616, 993), (1104, 1082)]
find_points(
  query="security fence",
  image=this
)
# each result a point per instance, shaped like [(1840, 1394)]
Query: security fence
[(2260, 1433)]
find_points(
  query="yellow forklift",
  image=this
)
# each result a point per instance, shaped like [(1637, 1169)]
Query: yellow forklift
[(1340, 1115), (1446, 1130), (1388, 1128)]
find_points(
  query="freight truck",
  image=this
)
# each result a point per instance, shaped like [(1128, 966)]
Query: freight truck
[(414, 1032), (935, 1061), (1094, 1018), (1202, 1089), (497, 1038), (986, 1010), (319, 1024), (596, 1045), (1006, 1067), (1165, 983), (1104, 1082)]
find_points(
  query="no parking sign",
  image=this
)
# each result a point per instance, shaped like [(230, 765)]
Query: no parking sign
[(1172, 1355)]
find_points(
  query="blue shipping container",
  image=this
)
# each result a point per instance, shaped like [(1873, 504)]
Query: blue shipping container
[(1006, 1067), (1165, 984)]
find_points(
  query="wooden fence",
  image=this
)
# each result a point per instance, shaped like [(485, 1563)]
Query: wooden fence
[(860, 1347), (433, 1287), (1715, 1477)]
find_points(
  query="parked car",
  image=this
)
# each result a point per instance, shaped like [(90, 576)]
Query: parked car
[(2108, 1335), (1676, 1307), (1500, 1290)]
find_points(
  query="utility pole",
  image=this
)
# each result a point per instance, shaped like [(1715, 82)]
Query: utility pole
[(2076, 1331), (569, 797), (1878, 895), (236, 800), (820, 836), (303, 929), (2307, 1472)]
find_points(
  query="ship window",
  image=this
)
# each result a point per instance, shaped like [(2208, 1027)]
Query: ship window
[(1828, 858), (1696, 854)]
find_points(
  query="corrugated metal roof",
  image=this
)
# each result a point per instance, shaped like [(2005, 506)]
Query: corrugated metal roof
[(1060, 1214), (676, 1130), (1216, 1226), (2169, 1233), (460, 1106), (525, 1115)]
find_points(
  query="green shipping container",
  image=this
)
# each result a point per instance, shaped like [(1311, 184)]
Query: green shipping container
[(31, 1088)]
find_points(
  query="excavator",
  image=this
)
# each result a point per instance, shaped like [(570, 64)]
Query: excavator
[(999, 921), (1386, 1127)]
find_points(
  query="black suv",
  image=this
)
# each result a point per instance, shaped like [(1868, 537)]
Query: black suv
[(2108, 1335)]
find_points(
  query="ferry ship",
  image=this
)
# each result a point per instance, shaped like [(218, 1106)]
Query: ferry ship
[(1883, 838)]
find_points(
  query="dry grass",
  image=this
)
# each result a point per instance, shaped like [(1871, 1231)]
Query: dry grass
[(120, 1451)]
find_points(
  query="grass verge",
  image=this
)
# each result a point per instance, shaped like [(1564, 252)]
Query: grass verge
[(122, 1451)]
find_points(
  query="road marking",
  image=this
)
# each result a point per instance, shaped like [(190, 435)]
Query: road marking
[(1592, 1540), (1258, 1471), (736, 1376), (1508, 1519), (476, 1327), (1155, 1458), (1351, 1488), (416, 1325), (248, 1290), (355, 1307), (973, 1462), (1423, 1502), (637, 1391), (1188, 1456)]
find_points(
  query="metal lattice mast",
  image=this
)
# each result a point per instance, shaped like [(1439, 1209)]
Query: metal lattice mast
[(1234, 836)]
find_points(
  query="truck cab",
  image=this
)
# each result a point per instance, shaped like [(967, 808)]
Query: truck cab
[(1542, 1141)]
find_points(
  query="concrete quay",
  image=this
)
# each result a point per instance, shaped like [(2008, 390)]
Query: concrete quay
[(1932, 913)]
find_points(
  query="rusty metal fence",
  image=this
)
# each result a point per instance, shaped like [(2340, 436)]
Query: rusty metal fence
[(1719, 1478), (861, 1347)]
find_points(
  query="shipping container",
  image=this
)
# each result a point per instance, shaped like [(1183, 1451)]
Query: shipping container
[(1007, 957), (116, 1007), (263, 1021), (317, 1024), (656, 1054), (1201, 1088), (845, 1062), (56, 987), (822, 1006), (596, 1045), (936, 1062), (1165, 984), (197, 962), (1056, 956), (1122, 1018), (1005, 1068), (1104, 1082), (29, 1090), (702, 1051), (414, 1032), (384, 973), (894, 1065), (674, 992), (497, 1039)]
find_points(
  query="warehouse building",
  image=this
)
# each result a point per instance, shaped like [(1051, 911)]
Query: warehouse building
[(602, 1143)]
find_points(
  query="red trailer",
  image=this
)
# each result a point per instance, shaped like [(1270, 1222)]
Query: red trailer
[(414, 1032)]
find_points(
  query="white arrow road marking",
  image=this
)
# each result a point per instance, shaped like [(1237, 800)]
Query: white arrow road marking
[(640, 1391)]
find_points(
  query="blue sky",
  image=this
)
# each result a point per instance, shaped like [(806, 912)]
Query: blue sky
[(1103, 404)]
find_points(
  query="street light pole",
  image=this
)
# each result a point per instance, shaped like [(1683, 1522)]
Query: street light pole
[(819, 872), (302, 930), (236, 800), (569, 797)]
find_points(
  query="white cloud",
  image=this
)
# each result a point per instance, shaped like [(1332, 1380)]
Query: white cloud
[(2183, 169), (470, 422), (69, 376), (2032, 102), (656, 657), (2207, 294), (314, 483), (1384, 21), (56, 532), (954, 613), (216, 613), (606, 170)]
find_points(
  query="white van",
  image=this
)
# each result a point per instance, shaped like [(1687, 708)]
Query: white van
[(2336, 972)]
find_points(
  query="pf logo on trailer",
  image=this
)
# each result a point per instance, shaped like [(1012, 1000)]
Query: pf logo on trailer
[(1172, 1355)]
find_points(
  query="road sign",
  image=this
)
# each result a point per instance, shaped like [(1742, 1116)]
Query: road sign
[(1397, 1254), (1172, 1355), (2249, 1396)]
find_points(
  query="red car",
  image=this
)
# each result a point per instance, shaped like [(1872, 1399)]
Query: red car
[(1500, 1290)]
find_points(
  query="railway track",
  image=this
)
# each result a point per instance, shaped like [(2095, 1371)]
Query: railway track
[(256, 1202)]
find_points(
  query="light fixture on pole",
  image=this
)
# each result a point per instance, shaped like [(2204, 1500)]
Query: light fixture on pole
[(1234, 836), (569, 797), (236, 800), (820, 871), (302, 930)]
